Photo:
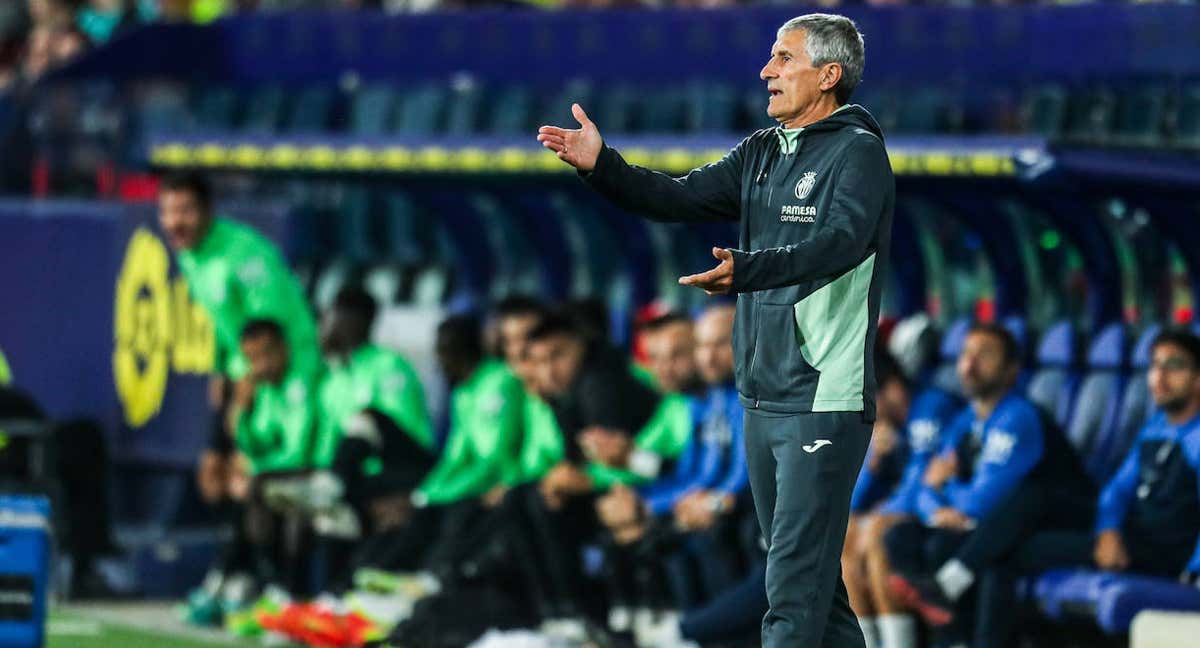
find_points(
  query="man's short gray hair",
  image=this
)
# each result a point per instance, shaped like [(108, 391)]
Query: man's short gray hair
[(829, 38)]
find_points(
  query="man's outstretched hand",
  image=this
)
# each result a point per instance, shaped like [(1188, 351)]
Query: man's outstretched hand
[(579, 147), (719, 280)]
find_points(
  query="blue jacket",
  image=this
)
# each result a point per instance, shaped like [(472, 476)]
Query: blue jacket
[(1010, 446), (714, 460), (931, 413), (1119, 494)]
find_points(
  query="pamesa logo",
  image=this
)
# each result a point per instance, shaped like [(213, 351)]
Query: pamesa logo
[(156, 328)]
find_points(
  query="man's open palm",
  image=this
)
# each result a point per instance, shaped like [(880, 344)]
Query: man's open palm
[(579, 147)]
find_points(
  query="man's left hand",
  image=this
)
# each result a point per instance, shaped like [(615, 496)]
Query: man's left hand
[(719, 280)]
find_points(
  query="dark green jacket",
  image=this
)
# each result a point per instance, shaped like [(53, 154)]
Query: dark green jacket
[(815, 206)]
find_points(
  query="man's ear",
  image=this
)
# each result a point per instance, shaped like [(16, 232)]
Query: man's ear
[(831, 74)]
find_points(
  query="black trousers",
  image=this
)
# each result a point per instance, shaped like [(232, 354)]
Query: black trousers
[(802, 472), (550, 544)]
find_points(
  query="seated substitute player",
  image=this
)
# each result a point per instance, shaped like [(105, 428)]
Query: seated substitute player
[(1148, 519), (696, 513), (989, 450), (482, 451)]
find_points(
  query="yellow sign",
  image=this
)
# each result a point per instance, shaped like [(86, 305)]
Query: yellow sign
[(156, 328)]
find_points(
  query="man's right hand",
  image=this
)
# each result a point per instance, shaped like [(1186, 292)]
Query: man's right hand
[(579, 147), (940, 469), (1110, 551)]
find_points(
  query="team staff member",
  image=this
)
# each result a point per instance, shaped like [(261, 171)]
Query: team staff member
[(815, 199)]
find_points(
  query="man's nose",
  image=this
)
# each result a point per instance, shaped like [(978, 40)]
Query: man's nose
[(766, 72)]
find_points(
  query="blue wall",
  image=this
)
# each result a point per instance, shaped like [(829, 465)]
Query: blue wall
[(905, 45), (59, 265)]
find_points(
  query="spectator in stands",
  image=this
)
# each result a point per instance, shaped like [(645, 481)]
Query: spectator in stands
[(236, 275), (986, 453), (1148, 519), (866, 568), (101, 20)]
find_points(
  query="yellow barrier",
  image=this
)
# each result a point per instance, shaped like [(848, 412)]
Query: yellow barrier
[(438, 159)]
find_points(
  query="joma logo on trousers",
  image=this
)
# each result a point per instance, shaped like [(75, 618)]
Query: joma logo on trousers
[(816, 445)]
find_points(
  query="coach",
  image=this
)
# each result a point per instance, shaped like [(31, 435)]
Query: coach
[(815, 198)]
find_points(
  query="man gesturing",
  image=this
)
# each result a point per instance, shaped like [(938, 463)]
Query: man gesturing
[(814, 198)]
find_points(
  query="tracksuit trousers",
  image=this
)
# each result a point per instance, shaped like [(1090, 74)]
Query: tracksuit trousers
[(802, 472)]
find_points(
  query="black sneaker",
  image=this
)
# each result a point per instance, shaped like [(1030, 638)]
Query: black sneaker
[(923, 595)]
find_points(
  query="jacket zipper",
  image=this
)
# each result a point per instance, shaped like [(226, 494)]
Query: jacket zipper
[(754, 353)]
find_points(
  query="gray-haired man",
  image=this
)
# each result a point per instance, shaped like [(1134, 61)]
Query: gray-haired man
[(815, 199)]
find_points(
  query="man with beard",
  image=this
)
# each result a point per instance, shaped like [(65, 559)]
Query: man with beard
[(988, 451), (1148, 518)]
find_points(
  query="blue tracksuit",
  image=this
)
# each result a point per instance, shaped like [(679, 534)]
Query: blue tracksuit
[(994, 455), (714, 460), (929, 416), (1149, 492)]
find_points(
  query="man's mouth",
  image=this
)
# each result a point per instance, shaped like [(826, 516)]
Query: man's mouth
[(774, 92)]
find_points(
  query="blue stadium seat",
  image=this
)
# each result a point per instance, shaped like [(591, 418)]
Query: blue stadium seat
[(1110, 599), (385, 282), (420, 110), (373, 110), (557, 107), (1187, 116), (662, 111), (1136, 404), (354, 236), (754, 109), (710, 108), (1126, 594), (1097, 402), (337, 275), (405, 240), (312, 111), (465, 106), (1141, 112), (1017, 325), (511, 112), (1045, 110), (264, 110), (216, 107), (1090, 115), (162, 108), (923, 111), (615, 109), (1052, 386)]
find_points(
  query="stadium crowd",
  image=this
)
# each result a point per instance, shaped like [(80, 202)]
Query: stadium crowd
[(596, 497)]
